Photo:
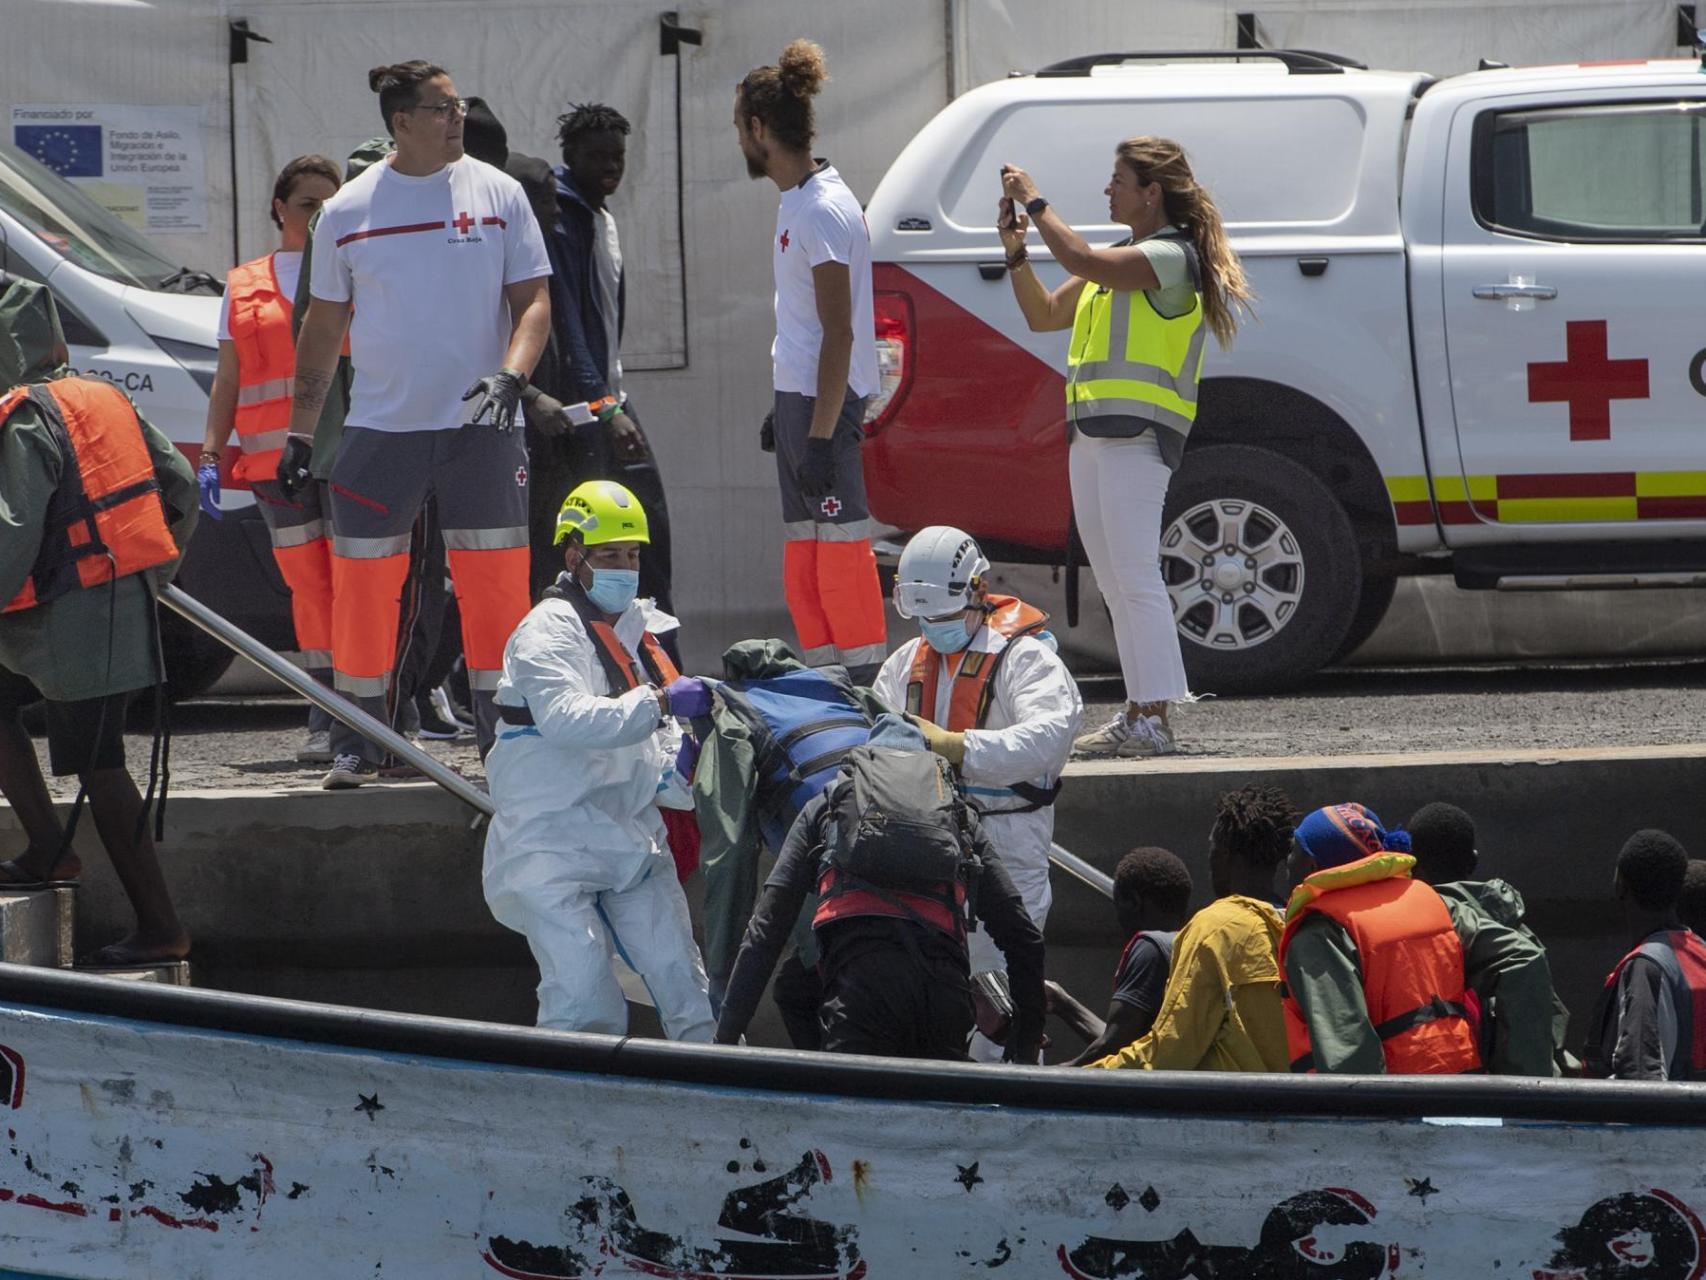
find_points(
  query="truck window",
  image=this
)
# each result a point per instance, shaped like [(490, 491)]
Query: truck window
[(1611, 172), (1278, 161)]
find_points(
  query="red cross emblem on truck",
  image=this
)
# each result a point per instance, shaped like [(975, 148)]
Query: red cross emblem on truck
[(1588, 380), (464, 223)]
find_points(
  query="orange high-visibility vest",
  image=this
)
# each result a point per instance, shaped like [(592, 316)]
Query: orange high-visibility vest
[(974, 681), (106, 519), (266, 366), (1411, 958)]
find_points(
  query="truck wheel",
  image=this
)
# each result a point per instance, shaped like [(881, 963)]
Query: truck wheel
[(1262, 566), (194, 659), (1377, 593)]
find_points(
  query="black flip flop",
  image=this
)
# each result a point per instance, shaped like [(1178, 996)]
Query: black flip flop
[(10, 884)]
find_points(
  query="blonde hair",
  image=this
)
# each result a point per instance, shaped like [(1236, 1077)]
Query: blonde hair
[(1225, 289)]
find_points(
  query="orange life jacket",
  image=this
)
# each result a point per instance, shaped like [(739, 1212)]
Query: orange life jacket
[(1681, 957), (974, 680), (106, 519), (1411, 959), (260, 323), (624, 671)]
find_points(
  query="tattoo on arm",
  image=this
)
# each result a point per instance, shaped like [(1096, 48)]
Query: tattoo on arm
[(311, 390)]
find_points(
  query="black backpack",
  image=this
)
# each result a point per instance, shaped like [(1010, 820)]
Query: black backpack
[(898, 826)]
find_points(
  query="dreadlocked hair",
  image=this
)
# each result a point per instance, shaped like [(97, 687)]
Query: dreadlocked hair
[(781, 95), (589, 117), (1225, 289), (1255, 823)]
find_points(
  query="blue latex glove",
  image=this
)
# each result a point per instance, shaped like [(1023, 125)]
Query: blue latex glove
[(689, 697), (207, 480)]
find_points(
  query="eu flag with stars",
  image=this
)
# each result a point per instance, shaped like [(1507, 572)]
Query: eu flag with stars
[(70, 150)]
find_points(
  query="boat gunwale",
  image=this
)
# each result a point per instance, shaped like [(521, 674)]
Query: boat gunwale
[(782, 1071)]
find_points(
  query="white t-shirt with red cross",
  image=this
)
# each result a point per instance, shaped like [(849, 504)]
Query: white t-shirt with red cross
[(820, 221), (425, 262)]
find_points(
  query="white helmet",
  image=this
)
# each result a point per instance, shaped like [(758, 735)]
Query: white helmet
[(938, 572)]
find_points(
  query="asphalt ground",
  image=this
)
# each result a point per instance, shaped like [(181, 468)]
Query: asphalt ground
[(251, 740)]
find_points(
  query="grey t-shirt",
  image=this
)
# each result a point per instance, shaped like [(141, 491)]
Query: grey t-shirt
[(1171, 261), (607, 268)]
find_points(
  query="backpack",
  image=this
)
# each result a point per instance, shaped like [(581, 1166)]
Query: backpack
[(898, 842)]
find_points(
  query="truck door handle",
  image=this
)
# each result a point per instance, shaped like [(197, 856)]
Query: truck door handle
[(992, 270), (1500, 292)]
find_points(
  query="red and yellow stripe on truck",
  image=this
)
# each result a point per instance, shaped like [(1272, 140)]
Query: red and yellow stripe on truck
[(1588, 496)]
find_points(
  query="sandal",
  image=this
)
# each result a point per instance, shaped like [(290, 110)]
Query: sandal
[(14, 879)]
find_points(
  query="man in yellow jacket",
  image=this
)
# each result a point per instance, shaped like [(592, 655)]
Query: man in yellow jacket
[(1221, 1009)]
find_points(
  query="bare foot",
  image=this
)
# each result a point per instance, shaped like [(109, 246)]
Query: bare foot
[(135, 951), (33, 870)]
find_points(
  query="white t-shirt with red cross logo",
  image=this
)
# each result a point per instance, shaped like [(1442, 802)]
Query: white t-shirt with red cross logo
[(820, 221), (425, 262)]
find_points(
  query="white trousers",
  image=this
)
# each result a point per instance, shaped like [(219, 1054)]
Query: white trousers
[(571, 939), (1118, 486), (1038, 896)]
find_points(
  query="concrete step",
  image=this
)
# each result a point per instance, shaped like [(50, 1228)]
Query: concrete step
[(174, 973), (35, 927)]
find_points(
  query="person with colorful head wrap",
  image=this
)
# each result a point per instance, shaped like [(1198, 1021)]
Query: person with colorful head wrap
[(1371, 959)]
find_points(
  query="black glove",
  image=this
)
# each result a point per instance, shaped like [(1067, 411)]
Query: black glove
[(817, 468), (293, 459), (767, 433), (501, 394)]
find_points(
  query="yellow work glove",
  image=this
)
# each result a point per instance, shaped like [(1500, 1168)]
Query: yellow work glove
[(950, 746)]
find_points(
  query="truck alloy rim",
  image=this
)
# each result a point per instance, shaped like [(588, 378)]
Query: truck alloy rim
[(1234, 571)]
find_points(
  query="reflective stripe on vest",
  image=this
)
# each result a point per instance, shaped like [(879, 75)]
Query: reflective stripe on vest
[(1411, 960), (261, 392), (1681, 957), (1128, 360), (106, 519)]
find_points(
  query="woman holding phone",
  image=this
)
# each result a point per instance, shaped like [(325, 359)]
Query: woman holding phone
[(1138, 311)]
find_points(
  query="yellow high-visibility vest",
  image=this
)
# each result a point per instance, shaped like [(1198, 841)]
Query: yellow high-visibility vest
[(1127, 360)]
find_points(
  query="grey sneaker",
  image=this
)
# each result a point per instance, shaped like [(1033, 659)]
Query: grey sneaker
[(348, 772), (1146, 736), (316, 748)]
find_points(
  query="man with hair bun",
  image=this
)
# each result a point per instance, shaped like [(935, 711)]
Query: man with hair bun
[(1650, 1022), (1221, 1008), (824, 366), (434, 263)]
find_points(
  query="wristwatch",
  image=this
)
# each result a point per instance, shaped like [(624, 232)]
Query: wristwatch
[(1034, 207)]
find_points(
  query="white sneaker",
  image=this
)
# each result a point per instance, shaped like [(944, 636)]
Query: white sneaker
[(316, 748), (348, 772), (1145, 736)]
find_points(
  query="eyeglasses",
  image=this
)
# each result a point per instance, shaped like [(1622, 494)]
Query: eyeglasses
[(449, 107)]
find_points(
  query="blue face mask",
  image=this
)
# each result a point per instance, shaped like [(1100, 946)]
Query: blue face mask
[(945, 637), (613, 590)]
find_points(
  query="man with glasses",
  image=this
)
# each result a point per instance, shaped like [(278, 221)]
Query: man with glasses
[(434, 263)]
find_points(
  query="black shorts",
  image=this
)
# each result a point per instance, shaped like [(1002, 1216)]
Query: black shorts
[(81, 736)]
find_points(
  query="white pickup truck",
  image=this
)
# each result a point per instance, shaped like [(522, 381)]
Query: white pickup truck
[(1478, 345)]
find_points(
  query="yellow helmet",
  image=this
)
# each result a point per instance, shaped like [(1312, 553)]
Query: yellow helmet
[(602, 511)]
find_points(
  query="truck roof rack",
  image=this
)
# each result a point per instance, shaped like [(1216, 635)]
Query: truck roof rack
[(1297, 61)]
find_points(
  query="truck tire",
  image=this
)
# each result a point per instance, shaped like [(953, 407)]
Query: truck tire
[(1262, 565), (194, 659), (1376, 599)]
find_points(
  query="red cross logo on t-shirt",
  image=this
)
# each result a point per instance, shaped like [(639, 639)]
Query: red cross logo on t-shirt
[(521, 477), (784, 241), (464, 223), (831, 507)]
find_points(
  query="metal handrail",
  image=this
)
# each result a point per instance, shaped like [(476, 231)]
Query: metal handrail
[(332, 703), (1081, 870)]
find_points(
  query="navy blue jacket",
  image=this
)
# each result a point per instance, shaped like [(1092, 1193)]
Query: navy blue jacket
[(583, 346)]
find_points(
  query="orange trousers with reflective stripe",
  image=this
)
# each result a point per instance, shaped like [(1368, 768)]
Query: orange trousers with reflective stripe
[(834, 598), (302, 548)]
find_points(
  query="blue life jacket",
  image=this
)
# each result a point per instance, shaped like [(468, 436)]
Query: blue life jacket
[(802, 724)]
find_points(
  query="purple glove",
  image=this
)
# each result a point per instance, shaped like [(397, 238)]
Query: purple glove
[(688, 697), (687, 757), (207, 480)]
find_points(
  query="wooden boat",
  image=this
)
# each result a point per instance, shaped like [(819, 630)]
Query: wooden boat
[(169, 1133)]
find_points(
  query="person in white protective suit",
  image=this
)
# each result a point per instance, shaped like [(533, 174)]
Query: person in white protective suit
[(985, 685), (577, 858)]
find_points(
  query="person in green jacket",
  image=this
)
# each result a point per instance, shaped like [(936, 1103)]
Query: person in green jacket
[(86, 652)]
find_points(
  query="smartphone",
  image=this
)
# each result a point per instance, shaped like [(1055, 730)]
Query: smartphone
[(1009, 219)]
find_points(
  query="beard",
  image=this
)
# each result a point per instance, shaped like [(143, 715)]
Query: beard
[(755, 163)]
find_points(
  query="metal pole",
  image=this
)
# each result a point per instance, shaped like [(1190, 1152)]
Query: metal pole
[(331, 703), (1076, 867)]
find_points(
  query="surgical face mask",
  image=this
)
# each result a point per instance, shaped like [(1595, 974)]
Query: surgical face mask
[(613, 590), (945, 637)]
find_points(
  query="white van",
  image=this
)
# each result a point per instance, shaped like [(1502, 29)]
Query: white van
[(147, 325), (1473, 351)]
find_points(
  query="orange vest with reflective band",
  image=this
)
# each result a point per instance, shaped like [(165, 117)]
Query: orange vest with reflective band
[(974, 681), (1411, 959), (106, 519), (624, 671), (260, 317)]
